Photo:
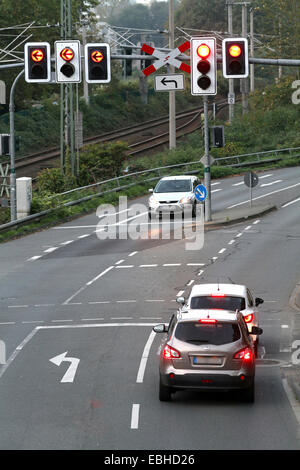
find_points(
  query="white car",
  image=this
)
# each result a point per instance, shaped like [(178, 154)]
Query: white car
[(225, 297), (173, 194)]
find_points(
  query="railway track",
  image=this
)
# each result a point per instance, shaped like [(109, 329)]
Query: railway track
[(186, 122)]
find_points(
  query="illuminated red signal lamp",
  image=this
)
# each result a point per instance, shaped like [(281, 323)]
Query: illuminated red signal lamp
[(235, 50), (203, 51)]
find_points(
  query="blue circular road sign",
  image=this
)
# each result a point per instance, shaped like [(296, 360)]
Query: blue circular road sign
[(200, 192)]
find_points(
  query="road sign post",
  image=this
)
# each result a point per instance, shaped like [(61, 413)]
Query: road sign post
[(251, 180)]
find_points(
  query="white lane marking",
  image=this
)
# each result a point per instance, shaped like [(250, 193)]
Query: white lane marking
[(292, 202), (231, 242), (50, 250), (33, 321), (265, 176), (284, 326), (100, 275), (91, 319), (8, 323), (171, 264), (195, 264), (100, 302), (256, 222), (238, 184), (150, 318), (154, 300), (84, 236), (61, 321), (69, 376), (264, 195), (216, 190), (239, 235), (200, 272), (180, 293), (214, 258), (67, 302), (144, 358), (119, 262), (121, 318), (44, 305), (190, 282), (124, 266), (135, 416), (133, 253), (18, 349), (271, 183), (125, 301), (222, 251), (214, 184), (67, 242), (33, 258), (17, 306), (148, 265)]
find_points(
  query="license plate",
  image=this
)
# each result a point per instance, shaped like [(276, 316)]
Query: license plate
[(207, 360)]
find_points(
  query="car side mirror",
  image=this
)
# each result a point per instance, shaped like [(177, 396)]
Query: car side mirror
[(258, 301), (150, 190), (256, 331), (180, 300), (161, 328)]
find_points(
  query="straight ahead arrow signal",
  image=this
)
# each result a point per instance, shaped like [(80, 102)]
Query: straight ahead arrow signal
[(71, 372)]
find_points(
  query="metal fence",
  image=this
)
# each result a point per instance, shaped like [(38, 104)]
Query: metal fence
[(85, 193)]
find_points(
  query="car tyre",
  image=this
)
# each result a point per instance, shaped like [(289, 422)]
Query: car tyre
[(149, 215), (164, 392), (248, 394)]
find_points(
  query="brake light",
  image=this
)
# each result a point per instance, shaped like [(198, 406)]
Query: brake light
[(208, 320), (170, 353), (218, 295), (248, 318), (244, 355)]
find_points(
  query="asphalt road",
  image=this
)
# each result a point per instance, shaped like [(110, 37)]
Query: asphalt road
[(65, 291)]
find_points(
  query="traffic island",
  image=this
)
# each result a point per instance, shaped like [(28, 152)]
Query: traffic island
[(239, 214)]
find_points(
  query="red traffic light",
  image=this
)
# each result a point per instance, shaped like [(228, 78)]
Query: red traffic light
[(37, 55), (97, 56), (235, 50), (203, 51), (67, 54)]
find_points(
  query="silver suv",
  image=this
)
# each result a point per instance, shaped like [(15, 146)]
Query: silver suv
[(207, 350)]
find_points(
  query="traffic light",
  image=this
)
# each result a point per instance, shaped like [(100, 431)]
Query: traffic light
[(203, 66), (4, 144), (218, 136), (97, 63), (128, 63), (235, 58), (37, 58), (67, 61)]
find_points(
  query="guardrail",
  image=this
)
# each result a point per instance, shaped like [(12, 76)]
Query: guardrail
[(114, 184)]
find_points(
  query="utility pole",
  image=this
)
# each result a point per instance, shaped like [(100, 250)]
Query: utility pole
[(231, 80), (172, 103), (252, 83), (244, 81), (85, 84), (67, 134)]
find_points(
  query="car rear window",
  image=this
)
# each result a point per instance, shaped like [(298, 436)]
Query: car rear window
[(228, 302), (200, 333)]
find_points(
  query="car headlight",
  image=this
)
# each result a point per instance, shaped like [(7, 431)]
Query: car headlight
[(186, 200), (152, 201)]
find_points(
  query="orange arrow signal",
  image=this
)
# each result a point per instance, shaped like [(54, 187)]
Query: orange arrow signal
[(37, 55), (67, 54), (97, 56)]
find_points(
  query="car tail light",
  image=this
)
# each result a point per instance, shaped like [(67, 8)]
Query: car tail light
[(218, 295), (245, 355), (248, 318), (170, 353), (208, 320)]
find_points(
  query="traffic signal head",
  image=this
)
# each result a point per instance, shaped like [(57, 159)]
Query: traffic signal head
[(37, 59), (235, 58), (67, 61), (203, 66), (97, 63)]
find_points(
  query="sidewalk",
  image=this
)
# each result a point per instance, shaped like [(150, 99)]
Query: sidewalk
[(239, 214)]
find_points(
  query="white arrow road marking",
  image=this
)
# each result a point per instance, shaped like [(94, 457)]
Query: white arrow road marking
[(71, 372)]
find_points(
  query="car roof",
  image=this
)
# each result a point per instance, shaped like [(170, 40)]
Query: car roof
[(201, 314), (229, 289), (180, 177)]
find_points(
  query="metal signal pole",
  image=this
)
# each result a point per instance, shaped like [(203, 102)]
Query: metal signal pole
[(67, 134), (172, 103), (230, 80)]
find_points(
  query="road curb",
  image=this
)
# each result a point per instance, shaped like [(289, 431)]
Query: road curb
[(228, 220)]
